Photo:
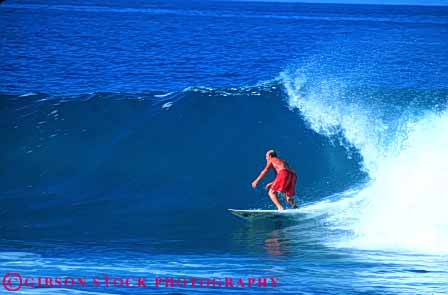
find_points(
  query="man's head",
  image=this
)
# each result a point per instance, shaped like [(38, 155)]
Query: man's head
[(271, 154)]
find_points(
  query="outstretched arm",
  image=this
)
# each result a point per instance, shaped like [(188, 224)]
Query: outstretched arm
[(262, 174)]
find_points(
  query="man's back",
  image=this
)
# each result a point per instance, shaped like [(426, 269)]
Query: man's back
[(278, 164)]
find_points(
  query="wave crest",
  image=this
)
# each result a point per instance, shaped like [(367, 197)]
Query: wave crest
[(403, 151)]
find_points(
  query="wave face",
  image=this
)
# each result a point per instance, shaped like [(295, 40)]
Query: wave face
[(370, 161), (401, 137), (69, 160)]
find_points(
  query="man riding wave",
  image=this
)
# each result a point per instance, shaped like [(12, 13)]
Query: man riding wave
[(284, 182)]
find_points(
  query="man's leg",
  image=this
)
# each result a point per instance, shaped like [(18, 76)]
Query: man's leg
[(275, 200), (289, 190), (290, 200)]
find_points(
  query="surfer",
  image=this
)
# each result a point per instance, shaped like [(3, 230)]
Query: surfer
[(284, 182)]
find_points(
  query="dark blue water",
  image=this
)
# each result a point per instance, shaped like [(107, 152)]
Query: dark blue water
[(129, 127)]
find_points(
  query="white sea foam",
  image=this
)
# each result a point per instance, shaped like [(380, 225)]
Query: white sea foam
[(403, 207), (18, 255), (28, 94), (164, 95), (167, 105)]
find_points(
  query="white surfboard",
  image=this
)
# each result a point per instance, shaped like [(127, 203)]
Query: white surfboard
[(252, 214)]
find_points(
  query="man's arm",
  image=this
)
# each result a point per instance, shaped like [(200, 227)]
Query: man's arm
[(262, 174)]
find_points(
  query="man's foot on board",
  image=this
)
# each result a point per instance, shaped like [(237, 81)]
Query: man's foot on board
[(292, 204)]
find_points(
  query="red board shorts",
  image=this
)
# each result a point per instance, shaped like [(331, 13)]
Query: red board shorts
[(285, 182)]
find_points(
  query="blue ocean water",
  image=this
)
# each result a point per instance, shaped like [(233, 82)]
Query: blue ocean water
[(129, 127)]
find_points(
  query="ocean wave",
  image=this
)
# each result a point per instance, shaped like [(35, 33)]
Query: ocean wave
[(399, 209), (352, 153)]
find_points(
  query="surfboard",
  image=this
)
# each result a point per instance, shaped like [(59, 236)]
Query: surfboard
[(252, 214)]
